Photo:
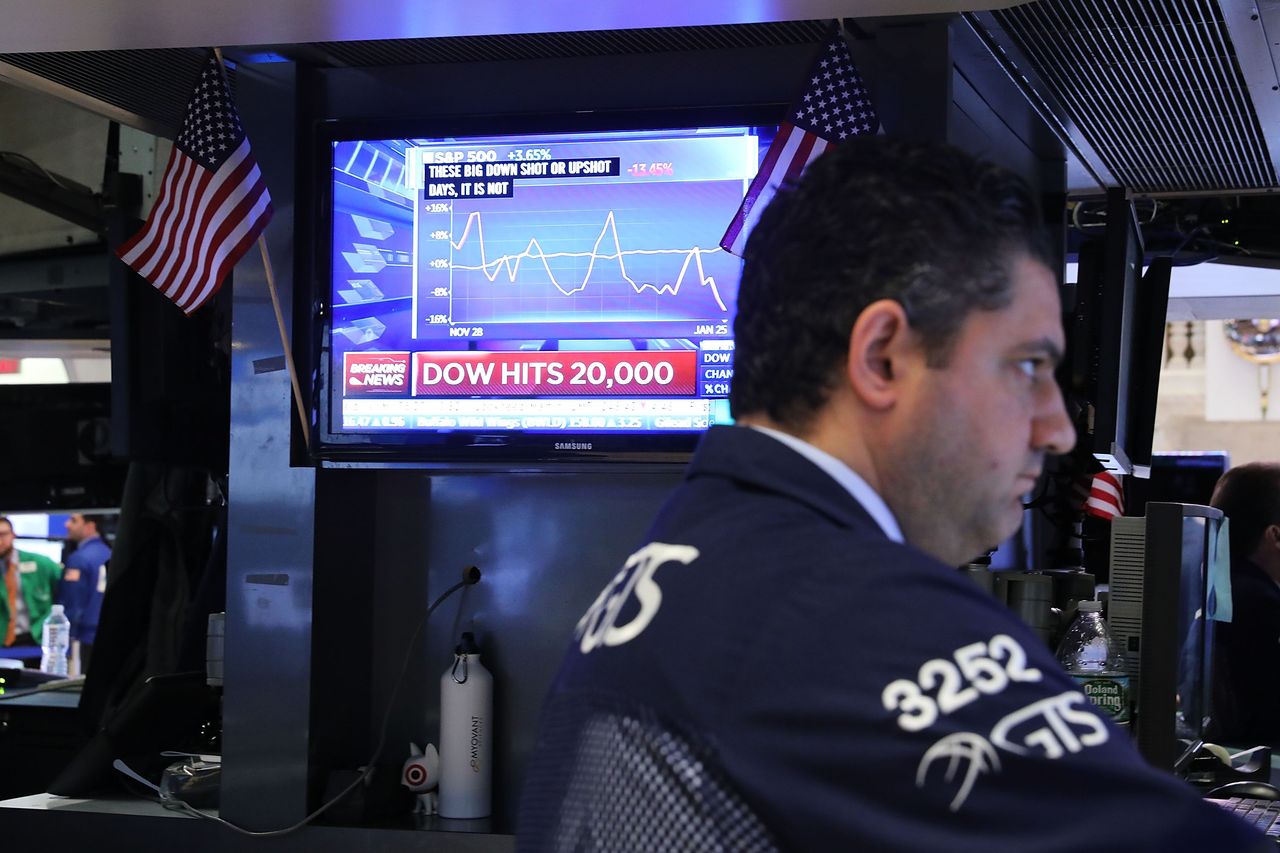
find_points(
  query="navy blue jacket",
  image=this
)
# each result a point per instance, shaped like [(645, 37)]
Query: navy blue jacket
[(1247, 693), (83, 582), (856, 693)]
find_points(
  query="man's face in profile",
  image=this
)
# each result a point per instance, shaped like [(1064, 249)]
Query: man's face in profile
[(78, 529), (977, 430)]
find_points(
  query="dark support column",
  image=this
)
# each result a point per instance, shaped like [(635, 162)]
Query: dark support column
[(266, 718), (914, 78), (122, 217)]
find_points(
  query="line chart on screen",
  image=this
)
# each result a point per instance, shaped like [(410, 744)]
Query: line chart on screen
[(564, 271)]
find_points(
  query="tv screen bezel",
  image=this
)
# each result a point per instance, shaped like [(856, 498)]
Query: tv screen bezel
[(470, 448)]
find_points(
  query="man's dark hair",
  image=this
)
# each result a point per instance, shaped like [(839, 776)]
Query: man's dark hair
[(4, 519), (873, 218), (1249, 495), (99, 521)]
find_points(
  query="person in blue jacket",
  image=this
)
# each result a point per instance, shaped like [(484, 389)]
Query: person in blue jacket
[(84, 579), (791, 660)]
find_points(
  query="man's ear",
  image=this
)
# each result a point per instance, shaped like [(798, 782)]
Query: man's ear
[(879, 346)]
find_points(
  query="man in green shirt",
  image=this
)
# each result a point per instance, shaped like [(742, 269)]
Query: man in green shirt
[(29, 581)]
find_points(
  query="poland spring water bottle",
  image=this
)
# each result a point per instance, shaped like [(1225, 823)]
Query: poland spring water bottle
[(55, 641), (1090, 656), (466, 734)]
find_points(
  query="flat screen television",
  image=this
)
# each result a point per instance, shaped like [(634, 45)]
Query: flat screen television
[(557, 294)]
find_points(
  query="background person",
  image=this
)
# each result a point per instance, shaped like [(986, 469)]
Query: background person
[(29, 581), (1246, 705), (84, 580)]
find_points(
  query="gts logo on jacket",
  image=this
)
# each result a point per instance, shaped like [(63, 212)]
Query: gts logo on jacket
[(596, 627)]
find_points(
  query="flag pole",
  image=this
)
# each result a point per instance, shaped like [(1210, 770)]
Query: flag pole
[(284, 342), (275, 304)]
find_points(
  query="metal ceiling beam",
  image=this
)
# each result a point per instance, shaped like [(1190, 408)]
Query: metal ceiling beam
[(62, 197), (1254, 28), (1022, 71), (10, 73), (70, 271), (65, 25)]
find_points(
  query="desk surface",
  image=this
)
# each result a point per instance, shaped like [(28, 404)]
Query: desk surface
[(98, 805), (42, 699), (117, 823)]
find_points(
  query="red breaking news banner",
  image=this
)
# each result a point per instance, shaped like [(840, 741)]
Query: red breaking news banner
[(375, 374), (522, 374)]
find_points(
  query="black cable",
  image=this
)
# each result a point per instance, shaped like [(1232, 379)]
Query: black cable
[(1202, 229)]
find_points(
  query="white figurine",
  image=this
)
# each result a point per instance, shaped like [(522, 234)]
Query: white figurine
[(421, 775)]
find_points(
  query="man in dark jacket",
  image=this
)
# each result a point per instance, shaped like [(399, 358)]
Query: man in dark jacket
[(792, 661), (84, 580), (1247, 693)]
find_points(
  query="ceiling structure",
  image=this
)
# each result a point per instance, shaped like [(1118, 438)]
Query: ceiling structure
[(73, 25), (149, 89), (1162, 96), (1167, 97)]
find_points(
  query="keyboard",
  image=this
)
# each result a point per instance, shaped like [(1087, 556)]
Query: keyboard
[(1264, 814)]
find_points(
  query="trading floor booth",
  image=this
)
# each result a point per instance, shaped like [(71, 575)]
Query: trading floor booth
[(335, 550), (330, 568)]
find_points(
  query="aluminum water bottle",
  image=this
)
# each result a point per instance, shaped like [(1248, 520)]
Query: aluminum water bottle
[(55, 641), (1090, 655), (466, 735)]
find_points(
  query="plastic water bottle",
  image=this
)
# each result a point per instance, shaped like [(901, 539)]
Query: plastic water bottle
[(466, 734), (55, 641), (1090, 655)]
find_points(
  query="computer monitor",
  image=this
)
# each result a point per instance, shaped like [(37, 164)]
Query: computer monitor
[(1162, 611), (1180, 476)]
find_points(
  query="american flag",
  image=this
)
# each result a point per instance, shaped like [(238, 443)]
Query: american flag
[(1106, 496), (212, 205), (835, 105)]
